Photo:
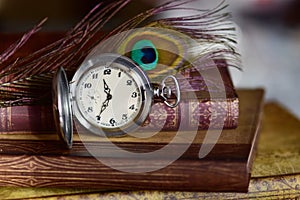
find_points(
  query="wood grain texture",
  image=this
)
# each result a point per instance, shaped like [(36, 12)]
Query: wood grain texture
[(42, 162), (45, 171)]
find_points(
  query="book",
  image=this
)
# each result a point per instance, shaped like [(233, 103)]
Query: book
[(40, 161), (199, 108), (192, 113)]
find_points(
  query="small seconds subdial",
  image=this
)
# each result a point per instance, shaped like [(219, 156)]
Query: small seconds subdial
[(118, 100)]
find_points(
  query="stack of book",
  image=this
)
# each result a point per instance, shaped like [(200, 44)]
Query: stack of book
[(33, 156), (275, 171)]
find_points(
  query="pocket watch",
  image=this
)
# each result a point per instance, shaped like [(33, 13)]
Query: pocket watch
[(109, 95)]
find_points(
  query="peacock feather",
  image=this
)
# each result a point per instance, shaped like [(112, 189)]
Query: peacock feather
[(159, 44)]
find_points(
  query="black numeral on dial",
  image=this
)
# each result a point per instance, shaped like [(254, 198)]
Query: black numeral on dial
[(134, 95), (90, 109), (107, 72), (95, 76), (87, 85), (98, 118), (112, 121), (132, 107), (129, 82), (124, 116)]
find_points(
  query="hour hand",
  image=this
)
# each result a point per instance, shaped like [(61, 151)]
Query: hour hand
[(106, 88)]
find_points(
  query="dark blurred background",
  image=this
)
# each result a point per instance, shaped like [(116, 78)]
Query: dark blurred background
[(21, 15), (269, 36)]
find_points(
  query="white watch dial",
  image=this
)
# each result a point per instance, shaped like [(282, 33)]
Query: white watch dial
[(108, 96)]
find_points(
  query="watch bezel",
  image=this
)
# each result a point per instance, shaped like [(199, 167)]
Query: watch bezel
[(61, 107), (141, 79)]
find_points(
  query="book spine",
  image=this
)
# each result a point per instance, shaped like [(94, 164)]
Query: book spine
[(194, 114), (190, 114), (26, 119)]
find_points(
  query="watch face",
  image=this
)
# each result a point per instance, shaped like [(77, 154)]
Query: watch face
[(109, 96)]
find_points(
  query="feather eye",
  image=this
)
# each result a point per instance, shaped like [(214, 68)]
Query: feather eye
[(152, 47), (145, 54)]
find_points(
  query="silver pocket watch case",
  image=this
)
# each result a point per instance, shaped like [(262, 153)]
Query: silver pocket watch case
[(62, 107)]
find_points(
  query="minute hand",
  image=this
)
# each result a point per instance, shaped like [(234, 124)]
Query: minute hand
[(104, 106), (108, 97)]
